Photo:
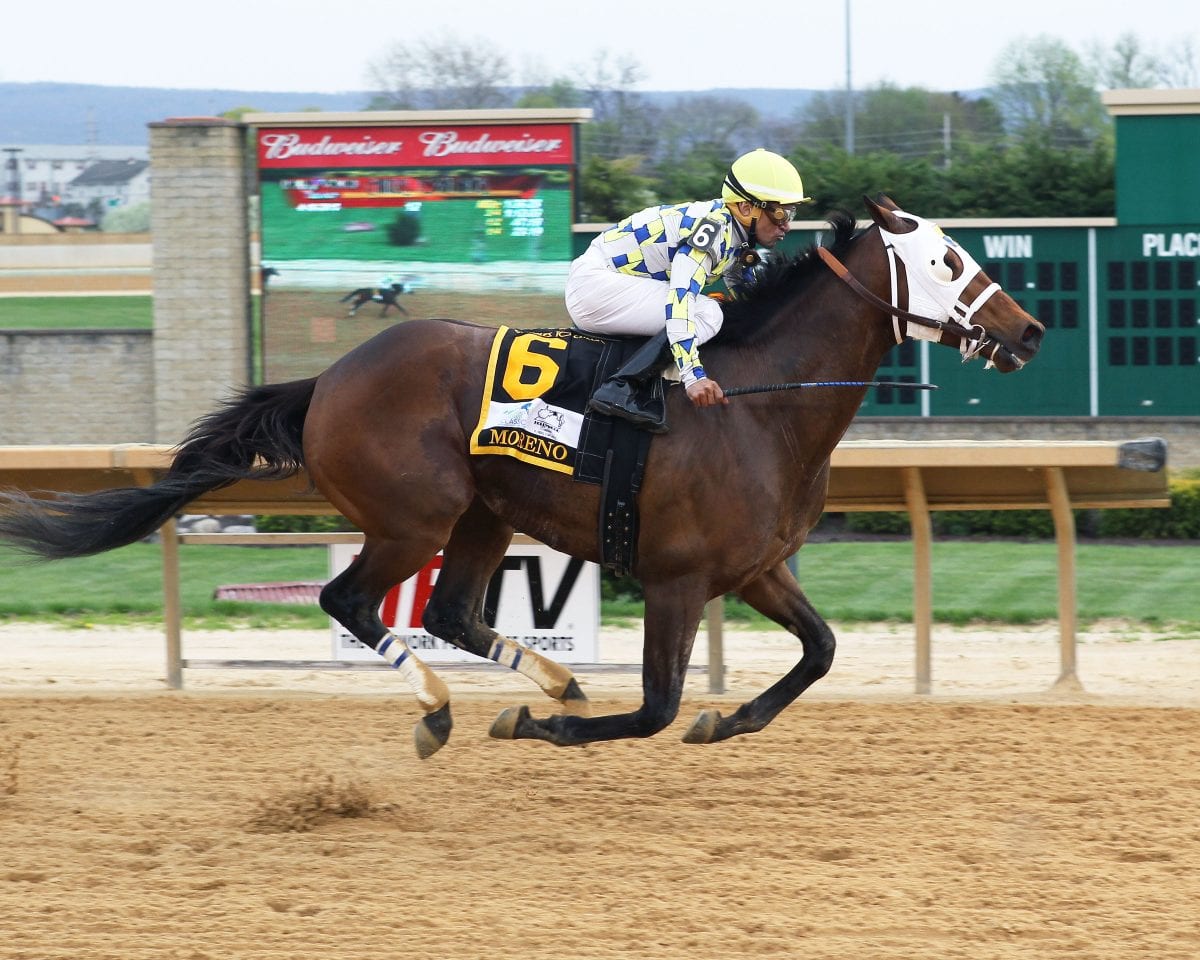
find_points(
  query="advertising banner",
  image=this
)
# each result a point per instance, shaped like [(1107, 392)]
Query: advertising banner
[(539, 597), (424, 146)]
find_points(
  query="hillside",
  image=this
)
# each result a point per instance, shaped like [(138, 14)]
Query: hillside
[(74, 113)]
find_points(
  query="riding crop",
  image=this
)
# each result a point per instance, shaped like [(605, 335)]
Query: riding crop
[(772, 387)]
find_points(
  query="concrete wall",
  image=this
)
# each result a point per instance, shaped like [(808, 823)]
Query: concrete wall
[(65, 386), (200, 223)]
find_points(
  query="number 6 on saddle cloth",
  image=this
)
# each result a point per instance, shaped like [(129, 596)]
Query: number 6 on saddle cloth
[(534, 408)]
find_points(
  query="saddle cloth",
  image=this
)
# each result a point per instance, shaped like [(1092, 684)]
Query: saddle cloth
[(534, 408), (534, 404)]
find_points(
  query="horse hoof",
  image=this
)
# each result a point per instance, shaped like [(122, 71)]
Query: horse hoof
[(432, 731), (504, 727), (703, 727)]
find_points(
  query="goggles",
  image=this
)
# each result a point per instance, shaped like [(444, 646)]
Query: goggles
[(777, 213)]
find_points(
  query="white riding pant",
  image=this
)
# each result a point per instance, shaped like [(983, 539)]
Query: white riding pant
[(601, 300)]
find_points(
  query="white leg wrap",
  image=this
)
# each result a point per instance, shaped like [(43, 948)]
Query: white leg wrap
[(551, 676), (431, 692)]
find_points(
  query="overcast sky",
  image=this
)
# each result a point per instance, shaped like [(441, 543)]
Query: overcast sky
[(305, 45)]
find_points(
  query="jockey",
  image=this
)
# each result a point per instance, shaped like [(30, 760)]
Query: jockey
[(644, 277)]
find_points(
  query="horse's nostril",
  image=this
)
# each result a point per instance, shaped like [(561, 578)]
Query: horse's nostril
[(1032, 335)]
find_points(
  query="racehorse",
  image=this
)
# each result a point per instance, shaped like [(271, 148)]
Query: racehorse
[(729, 494), (385, 295)]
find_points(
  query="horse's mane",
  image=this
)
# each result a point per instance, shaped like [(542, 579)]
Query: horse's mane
[(780, 280)]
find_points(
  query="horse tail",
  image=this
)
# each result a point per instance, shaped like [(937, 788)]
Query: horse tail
[(257, 435)]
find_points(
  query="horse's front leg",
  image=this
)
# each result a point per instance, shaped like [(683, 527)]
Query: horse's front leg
[(777, 595), (672, 616)]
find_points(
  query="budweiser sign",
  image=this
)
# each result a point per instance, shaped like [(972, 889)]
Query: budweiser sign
[(418, 146), (445, 143), (286, 146)]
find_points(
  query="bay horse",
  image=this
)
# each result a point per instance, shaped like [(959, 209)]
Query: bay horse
[(729, 493)]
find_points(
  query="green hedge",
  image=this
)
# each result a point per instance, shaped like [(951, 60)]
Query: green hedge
[(1180, 521), (1018, 524), (300, 523)]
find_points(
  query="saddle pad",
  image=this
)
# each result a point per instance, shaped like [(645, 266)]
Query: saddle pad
[(535, 395)]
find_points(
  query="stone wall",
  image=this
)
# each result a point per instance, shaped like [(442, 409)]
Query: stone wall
[(64, 386), (200, 223)]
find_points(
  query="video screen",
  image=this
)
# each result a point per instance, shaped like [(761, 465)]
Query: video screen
[(362, 227)]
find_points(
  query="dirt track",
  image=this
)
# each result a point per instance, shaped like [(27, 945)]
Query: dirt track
[(228, 823)]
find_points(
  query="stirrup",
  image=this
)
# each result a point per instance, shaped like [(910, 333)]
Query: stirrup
[(620, 400)]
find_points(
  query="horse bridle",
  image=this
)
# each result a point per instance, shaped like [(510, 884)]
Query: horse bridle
[(974, 340)]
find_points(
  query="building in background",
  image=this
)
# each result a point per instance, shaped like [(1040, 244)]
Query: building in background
[(45, 170), (106, 184), (38, 178)]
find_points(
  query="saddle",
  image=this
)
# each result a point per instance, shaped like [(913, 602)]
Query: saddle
[(534, 408)]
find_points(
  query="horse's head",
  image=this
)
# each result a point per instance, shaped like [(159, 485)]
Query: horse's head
[(945, 296)]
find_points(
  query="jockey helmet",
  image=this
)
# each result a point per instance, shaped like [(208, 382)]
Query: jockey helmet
[(762, 178)]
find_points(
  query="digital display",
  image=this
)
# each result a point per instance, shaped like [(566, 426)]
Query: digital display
[(422, 216)]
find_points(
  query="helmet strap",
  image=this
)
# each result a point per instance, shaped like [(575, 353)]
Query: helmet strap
[(745, 254), (752, 229)]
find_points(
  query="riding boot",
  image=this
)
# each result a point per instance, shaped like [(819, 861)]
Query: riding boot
[(635, 392)]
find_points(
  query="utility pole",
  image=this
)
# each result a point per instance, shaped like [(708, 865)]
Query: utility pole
[(14, 172), (849, 89)]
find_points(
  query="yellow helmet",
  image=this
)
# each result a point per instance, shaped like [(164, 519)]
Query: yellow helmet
[(760, 177)]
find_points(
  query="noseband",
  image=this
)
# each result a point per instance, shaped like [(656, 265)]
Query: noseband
[(973, 338)]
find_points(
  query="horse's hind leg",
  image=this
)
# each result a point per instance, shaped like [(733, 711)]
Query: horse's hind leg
[(777, 595), (672, 615), (454, 612), (353, 598)]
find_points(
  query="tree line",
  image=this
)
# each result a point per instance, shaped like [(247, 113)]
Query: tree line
[(1037, 142)]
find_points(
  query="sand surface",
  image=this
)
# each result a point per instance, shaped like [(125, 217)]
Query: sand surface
[(284, 814)]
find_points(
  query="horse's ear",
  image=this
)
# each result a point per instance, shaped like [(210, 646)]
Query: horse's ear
[(883, 209)]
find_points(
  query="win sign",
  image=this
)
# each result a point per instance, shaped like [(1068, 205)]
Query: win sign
[(538, 597)]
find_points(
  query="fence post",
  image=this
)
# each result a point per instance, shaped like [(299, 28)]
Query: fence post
[(1064, 536), (714, 617), (922, 534), (172, 606)]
